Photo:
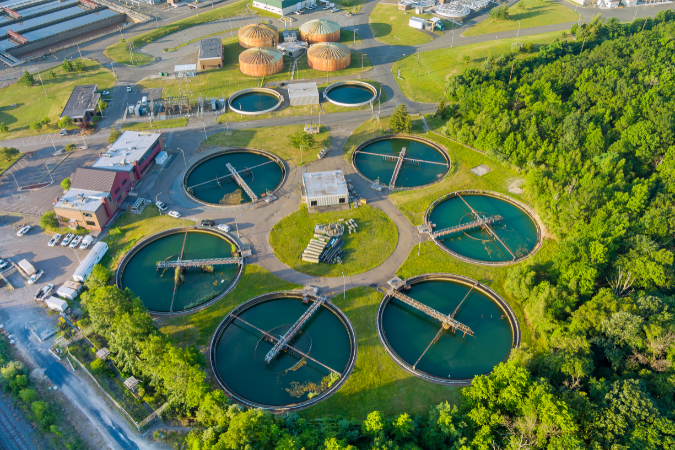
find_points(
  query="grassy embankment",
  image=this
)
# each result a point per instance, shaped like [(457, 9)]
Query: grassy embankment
[(155, 125), (366, 249), (448, 62), (530, 13), (273, 139), (390, 26), (30, 104)]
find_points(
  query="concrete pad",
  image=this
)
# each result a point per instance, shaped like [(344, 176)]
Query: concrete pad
[(481, 170)]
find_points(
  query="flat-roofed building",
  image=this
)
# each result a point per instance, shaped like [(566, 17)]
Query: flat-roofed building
[(117, 183), (325, 188), (81, 105), (133, 152), (210, 54), (281, 7), (300, 94), (89, 209)]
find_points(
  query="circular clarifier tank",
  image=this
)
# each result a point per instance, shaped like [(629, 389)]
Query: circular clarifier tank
[(255, 101), (210, 180), (422, 346), (199, 286), (296, 377), (424, 162), (350, 93), (512, 233)]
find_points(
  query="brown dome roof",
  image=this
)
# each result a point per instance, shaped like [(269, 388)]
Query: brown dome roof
[(319, 26), (267, 55), (258, 31), (329, 50)]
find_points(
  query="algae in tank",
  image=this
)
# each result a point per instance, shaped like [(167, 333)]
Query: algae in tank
[(288, 379), (350, 94), (430, 164), (254, 102), (454, 356), (517, 230), (155, 287), (211, 182)]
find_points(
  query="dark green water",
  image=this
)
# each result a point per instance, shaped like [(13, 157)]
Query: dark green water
[(409, 331), (226, 191), (155, 287), (240, 354), (350, 94), (255, 102), (517, 231), (373, 167)]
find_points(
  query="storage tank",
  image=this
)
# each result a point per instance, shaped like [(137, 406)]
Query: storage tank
[(261, 61), (320, 30), (258, 35), (329, 56)]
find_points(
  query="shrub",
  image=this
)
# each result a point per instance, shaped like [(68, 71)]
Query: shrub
[(70, 147), (115, 133), (97, 366), (36, 126), (500, 13), (27, 79), (65, 122), (8, 153), (3, 128), (400, 121), (65, 184)]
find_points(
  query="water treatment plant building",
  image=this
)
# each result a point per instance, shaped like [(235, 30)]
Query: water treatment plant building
[(325, 188), (210, 54)]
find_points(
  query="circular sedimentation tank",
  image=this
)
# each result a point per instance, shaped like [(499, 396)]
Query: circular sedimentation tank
[(320, 30), (329, 56), (424, 162), (197, 288), (422, 346), (255, 101), (350, 93), (517, 232), (452, 10), (258, 35), (209, 180), (258, 62), (291, 380)]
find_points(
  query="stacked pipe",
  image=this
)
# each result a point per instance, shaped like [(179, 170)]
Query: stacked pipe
[(352, 226), (332, 253), (314, 249)]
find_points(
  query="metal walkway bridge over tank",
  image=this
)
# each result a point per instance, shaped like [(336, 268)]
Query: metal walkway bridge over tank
[(293, 330), (199, 262)]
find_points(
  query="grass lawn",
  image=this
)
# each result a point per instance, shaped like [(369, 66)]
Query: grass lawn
[(155, 125), (223, 82), (273, 139), (197, 329), (377, 383), (530, 13), (136, 227), (448, 62), (119, 52), (389, 25), (369, 247), (7, 163), (31, 105)]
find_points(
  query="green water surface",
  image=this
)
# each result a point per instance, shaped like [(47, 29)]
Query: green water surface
[(410, 175), (156, 287), (518, 232), (255, 102), (350, 94), (240, 353), (265, 175), (409, 331)]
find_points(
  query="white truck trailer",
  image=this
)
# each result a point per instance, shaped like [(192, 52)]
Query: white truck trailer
[(87, 265)]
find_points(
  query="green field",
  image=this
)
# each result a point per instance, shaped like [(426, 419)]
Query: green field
[(273, 139), (370, 246), (21, 105), (530, 13), (390, 26), (154, 125), (448, 62)]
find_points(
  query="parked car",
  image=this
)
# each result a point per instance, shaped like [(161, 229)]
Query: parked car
[(174, 214), (161, 206), (128, 88), (36, 276), (297, 12), (3, 264), (223, 227), (63, 132), (44, 292), (312, 6), (86, 242), (207, 223), (23, 230), (336, 9), (326, 7), (105, 93), (52, 242), (66, 240), (76, 241)]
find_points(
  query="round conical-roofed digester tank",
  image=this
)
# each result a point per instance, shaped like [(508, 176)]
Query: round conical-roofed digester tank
[(320, 30), (329, 56), (261, 61), (257, 35)]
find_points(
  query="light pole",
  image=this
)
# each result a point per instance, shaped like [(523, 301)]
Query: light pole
[(634, 17), (452, 42), (301, 154), (50, 174), (83, 141), (205, 138), (181, 150), (355, 30), (78, 50), (517, 35), (160, 209), (113, 70), (344, 286), (420, 244), (236, 225)]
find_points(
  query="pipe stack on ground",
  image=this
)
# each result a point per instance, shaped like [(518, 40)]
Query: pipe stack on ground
[(314, 249)]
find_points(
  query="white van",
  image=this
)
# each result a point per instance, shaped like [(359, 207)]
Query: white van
[(86, 242)]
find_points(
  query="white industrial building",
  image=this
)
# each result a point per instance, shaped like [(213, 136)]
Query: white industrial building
[(325, 188), (300, 94)]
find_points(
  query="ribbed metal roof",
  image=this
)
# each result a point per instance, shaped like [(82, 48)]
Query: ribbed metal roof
[(319, 26), (267, 55), (329, 50), (258, 31)]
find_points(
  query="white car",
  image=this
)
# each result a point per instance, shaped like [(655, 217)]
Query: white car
[(311, 6), (174, 214), (63, 132), (36, 276), (128, 88), (326, 7), (44, 292), (3, 264), (161, 206), (52, 242), (66, 240), (297, 12), (86, 242), (76, 242), (105, 93), (23, 230), (336, 9), (223, 227)]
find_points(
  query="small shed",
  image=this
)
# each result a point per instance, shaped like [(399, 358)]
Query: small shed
[(325, 188), (103, 353), (161, 157), (56, 304), (300, 94), (417, 22), (185, 70), (210, 53), (130, 383)]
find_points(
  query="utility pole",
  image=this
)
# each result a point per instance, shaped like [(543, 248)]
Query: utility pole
[(79, 51), (181, 150), (43, 85), (517, 35), (418, 64), (514, 61), (452, 42), (160, 209)]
